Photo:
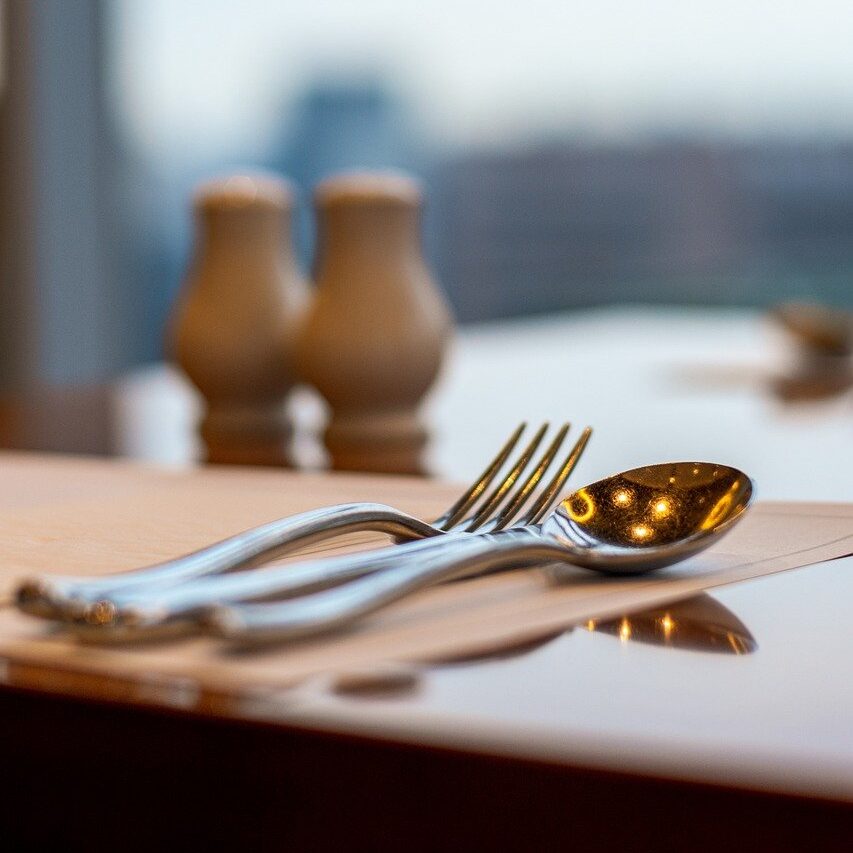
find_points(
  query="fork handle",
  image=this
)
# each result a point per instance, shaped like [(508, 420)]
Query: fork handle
[(58, 596), (251, 624), (149, 613)]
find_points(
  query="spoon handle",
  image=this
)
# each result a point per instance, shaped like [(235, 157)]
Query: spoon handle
[(251, 624)]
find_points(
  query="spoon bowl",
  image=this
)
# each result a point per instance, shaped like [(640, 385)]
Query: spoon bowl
[(649, 517)]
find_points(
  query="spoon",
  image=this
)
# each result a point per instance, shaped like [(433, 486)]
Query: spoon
[(630, 523)]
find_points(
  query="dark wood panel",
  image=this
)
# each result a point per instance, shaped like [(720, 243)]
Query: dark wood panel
[(90, 775), (66, 420)]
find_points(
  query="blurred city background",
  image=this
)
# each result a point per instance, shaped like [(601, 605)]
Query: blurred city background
[(574, 154)]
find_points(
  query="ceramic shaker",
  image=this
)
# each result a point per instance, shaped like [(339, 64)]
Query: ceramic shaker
[(237, 317), (374, 339)]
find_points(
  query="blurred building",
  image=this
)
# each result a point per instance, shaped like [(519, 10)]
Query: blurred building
[(565, 226)]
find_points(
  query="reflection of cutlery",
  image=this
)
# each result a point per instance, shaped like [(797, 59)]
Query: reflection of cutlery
[(699, 623), (630, 523), (502, 651), (64, 598)]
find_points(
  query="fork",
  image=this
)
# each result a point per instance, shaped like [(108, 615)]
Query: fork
[(68, 598), (131, 615)]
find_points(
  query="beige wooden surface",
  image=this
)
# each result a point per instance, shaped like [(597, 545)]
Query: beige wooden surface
[(89, 516)]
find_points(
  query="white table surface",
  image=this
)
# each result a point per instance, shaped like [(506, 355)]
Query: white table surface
[(656, 384)]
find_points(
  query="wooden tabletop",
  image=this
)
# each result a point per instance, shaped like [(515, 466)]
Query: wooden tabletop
[(722, 695)]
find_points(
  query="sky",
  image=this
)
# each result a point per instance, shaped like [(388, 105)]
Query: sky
[(216, 75)]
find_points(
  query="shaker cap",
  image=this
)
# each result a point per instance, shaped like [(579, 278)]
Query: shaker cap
[(369, 187), (257, 190)]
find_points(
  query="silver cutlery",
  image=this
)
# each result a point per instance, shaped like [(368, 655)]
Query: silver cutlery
[(66, 598), (631, 523), (173, 609)]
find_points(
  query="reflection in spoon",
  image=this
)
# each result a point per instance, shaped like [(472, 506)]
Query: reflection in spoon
[(650, 517), (699, 623)]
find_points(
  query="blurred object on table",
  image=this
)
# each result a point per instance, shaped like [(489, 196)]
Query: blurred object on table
[(237, 317), (376, 335), (817, 328), (823, 339)]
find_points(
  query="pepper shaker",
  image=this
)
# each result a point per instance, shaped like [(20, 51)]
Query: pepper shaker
[(375, 336)]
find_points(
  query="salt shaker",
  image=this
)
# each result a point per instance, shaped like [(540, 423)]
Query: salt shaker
[(374, 338), (237, 316)]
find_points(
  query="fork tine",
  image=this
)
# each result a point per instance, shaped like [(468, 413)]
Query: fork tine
[(552, 491), (500, 491), (472, 495), (517, 501)]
